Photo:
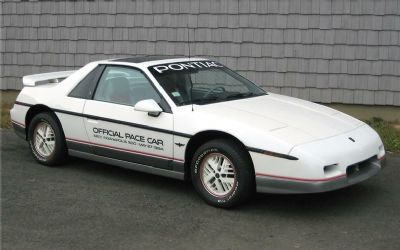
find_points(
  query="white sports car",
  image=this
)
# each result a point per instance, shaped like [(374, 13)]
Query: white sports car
[(193, 118)]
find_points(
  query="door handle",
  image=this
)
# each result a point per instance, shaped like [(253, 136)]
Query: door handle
[(92, 121)]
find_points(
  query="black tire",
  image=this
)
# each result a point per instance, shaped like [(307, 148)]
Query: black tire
[(59, 152), (244, 184)]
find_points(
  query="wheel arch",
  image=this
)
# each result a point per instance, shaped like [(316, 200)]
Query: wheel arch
[(204, 136), (37, 109)]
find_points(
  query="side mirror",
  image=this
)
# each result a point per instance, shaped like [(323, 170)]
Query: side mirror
[(150, 106)]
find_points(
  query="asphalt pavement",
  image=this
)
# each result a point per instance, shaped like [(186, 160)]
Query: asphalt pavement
[(87, 205)]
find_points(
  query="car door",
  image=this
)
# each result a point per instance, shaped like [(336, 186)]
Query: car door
[(116, 130)]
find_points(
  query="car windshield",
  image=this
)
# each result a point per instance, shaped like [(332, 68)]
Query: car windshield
[(202, 82)]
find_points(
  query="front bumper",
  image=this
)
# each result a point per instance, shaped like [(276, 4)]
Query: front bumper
[(354, 174)]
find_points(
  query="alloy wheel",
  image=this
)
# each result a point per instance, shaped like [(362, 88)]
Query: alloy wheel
[(44, 139), (218, 174)]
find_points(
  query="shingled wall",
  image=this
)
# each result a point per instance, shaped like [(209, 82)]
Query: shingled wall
[(330, 51)]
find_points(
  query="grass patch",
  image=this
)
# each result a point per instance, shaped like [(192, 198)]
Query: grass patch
[(389, 133), (7, 99), (5, 121)]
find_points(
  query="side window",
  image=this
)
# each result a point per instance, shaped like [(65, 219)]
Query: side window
[(123, 85), (85, 88)]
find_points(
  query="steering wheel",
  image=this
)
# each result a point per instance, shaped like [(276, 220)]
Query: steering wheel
[(213, 90)]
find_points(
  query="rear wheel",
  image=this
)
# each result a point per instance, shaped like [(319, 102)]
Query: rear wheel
[(222, 173), (46, 139)]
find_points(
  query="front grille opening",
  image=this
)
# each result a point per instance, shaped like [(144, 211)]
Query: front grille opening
[(359, 168), (331, 169)]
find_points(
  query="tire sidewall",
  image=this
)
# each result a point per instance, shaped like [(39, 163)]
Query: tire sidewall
[(59, 148), (240, 188)]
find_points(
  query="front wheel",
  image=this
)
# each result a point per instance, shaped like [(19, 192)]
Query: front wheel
[(222, 173), (46, 139)]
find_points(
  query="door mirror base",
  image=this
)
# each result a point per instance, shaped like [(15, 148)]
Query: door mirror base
[(154, 114)]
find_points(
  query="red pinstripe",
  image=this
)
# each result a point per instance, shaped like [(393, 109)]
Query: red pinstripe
[(301, 179), (20, 124)]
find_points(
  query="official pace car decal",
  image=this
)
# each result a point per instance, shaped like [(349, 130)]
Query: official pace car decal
[(180, 66), (128, 138)]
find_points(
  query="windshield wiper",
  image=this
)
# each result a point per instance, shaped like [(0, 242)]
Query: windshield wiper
[(242, 95), (205, 100), (212, 99), (239, 95)]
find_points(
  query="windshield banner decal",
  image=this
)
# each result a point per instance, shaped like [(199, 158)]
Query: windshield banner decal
[(186, 66)]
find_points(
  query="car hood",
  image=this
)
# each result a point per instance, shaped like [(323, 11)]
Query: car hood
[(289, 119)]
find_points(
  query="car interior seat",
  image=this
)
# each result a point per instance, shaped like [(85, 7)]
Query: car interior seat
[(119, 90)]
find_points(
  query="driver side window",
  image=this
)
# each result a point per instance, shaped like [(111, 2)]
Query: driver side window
[(124, 85)]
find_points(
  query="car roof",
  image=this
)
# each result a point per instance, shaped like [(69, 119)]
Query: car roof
[(140, 59)]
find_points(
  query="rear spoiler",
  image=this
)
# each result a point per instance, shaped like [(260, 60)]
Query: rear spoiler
[(52, 77)]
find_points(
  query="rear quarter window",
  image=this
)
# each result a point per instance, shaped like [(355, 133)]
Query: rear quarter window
[(85, 88)]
